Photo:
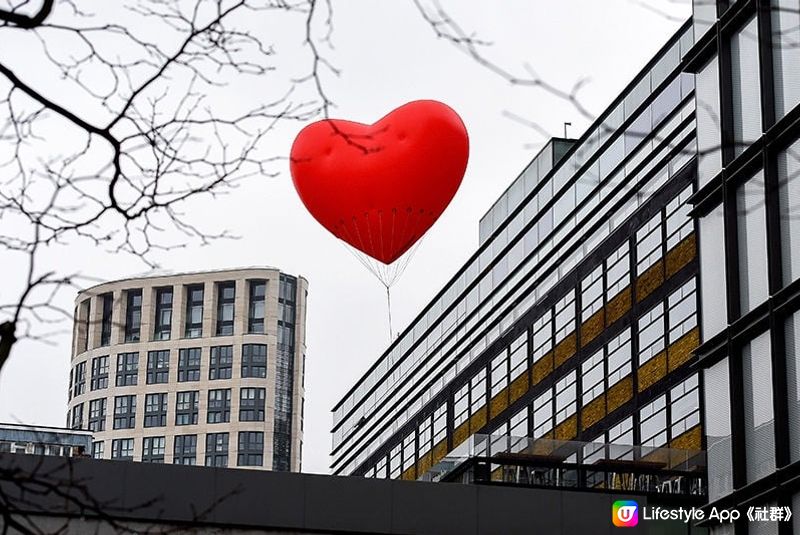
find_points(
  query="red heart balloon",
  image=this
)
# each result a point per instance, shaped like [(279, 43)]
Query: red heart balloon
[(380, 187)]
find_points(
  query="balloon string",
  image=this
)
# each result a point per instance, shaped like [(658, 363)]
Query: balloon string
[(389, 309)]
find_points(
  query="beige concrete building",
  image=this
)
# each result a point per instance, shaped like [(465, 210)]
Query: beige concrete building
[(194, 368)]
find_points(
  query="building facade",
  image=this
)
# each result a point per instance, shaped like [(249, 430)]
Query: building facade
[(576, 319), (198, 368), (747, 64)]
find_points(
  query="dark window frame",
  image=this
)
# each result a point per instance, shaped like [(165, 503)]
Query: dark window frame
[(252, 365), (252, 409), (188, 369), (107, 319), (219, 410), (250, 448), (184, 415), (100, 367), (125, 413), (225, 303), (194, 329), (127, 369), (217, 449), (220, 364), (185, 450), (133, 315), (157, 371), (97, 414), (155, 409), (256, 316), (164, 306)]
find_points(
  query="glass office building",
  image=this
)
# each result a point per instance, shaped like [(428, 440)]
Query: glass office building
[(747, 64), (576, 320)]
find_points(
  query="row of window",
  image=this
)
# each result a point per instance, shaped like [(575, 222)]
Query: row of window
[(250, 449), (164, 303), (597, 374), (187, 409), (221, 359), (656, 425)]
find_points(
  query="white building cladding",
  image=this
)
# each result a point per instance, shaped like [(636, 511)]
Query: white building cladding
[(615, 184), (195, 368), (747, 64)]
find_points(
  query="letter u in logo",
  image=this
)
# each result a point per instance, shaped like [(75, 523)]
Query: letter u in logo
[(625, 513)]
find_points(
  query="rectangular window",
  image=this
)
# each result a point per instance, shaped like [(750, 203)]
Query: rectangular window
[(679, 222), (653, 423), (99, 373), (221, 366), (566, 397), (440, 424), (461, 405), (98, 449), (786, 55), (543, 414), (684, 402), (618, 271), (649, 240), (592, 293), (251, 404), (395, 466), (226, 297), (792, 330), (194, 311), (619, 357), (752, 229), (712, 274), (77, 416), (163, 328), (478, 391), (133, 315), (97, 415), (565, 316), (255, 319), (759, 418), (80, 379), (217, 449), (518, 356), (189, 364), (709, 137), (153, 449), (542, 338), (107, 319), (746, 86), (499, 372), (125, 412), (185, 450), (155, 410), (424, 436), (409, 451), (254, 360), (219, 406), (593, 375), (651, 333), (158, 367), (86, 312), (682, 305), (251, 448), (718, 429), (127, 369), (789, 201), (122, 449), (186, 407)]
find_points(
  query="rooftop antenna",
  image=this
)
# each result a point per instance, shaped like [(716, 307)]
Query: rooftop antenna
[(565, 129)]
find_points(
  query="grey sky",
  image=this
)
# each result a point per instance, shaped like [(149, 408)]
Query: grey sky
[(388, 55)]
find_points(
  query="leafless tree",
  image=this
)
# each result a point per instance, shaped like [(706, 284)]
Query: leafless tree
[(113, 132)]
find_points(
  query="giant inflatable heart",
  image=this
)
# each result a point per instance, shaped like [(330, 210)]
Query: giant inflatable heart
[(380, 187)]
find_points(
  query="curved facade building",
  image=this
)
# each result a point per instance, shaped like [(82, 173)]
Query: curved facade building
[(195, 368)]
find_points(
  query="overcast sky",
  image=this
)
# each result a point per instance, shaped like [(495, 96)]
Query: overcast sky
[(387, 56)]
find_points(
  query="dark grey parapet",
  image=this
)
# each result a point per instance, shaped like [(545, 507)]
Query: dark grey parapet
[(103, 496)]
